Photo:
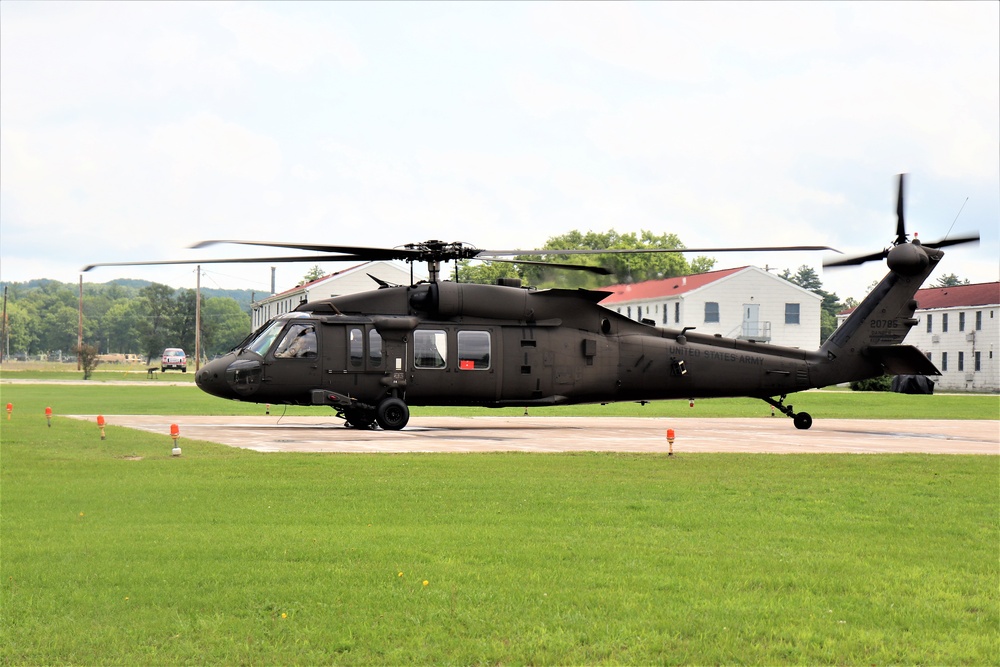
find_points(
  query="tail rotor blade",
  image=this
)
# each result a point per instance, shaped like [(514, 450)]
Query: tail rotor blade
[(900, 219), (856, 260), (972, 237)]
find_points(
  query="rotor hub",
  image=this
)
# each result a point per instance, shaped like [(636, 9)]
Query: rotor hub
[(907, 259), (441, 251)]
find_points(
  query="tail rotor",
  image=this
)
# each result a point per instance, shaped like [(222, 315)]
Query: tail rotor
[(903, 254)]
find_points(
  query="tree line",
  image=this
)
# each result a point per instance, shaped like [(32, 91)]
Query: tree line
[(624, 267), (43, 319)]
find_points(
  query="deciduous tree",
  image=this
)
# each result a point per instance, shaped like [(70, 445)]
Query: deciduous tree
[(628, 267), (806, 278), (87, 354)]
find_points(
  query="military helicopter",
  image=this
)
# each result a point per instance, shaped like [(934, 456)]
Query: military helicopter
[(372, 355)]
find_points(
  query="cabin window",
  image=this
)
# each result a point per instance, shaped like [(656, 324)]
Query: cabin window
[(930, 323), (791, 313), (299, 342), (677, 313), (961, 323), (473, 350), (430, 348), (944, 322), (944, 361), (979, 361), (374, 349), (961, 361), (979, 320), (356, 347), (711, 311)]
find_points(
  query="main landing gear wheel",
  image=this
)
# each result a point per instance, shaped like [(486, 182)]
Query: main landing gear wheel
[(392, 414)]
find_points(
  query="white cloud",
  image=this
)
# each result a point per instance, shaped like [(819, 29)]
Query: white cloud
[(287, 43), (498, 124), (206, 146), (542, 97)]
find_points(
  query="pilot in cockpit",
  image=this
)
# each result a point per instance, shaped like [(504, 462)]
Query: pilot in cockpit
[(299, 342)]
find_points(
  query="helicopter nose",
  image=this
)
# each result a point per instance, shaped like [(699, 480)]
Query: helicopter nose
[(211, 379), (231, 376)]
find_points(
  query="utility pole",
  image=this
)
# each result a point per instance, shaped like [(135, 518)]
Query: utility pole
[(79, 334), (4, 338), (197, 323)]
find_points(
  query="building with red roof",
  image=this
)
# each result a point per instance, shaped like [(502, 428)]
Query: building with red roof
[(347, 281), (745, 302), (959, 331)]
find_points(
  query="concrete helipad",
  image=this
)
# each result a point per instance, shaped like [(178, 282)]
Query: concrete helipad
[(581, 434)]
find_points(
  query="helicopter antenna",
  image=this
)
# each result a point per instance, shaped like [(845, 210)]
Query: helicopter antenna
[(381, 283), (960, 209)]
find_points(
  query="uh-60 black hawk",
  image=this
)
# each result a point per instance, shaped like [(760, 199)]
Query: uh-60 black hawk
[(371, 355)]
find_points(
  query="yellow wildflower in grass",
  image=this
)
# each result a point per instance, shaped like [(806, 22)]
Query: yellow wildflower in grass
[(426, 582), (284, 615), (401, 574)]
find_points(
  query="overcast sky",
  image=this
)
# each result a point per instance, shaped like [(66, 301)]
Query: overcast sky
[(129, 131)]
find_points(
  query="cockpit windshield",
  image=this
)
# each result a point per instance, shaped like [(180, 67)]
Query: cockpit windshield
[(262, 342)]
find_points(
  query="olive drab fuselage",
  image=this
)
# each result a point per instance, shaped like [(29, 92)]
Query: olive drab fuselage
[(370, 355)]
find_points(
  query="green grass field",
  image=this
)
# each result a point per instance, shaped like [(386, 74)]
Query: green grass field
[(103, 373), (114, 552), (153, 397)]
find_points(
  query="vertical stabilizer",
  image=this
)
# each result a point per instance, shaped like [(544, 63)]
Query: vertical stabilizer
[(868, 343)]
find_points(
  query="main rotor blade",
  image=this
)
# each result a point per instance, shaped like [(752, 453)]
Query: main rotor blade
[(639, 251), (972, 237), (237, 260), (599, 270), (900, 222), (855, 260), (358, 251)]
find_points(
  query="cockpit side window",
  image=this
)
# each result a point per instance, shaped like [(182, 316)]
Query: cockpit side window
[(298, 342), (263, 341)]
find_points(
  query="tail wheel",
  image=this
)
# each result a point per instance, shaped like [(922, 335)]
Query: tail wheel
[(392, 414)]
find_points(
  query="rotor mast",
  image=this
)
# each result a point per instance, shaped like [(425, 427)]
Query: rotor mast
[(434, 252)]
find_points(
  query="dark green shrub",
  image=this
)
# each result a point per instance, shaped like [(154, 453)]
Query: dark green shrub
[(882, 383)]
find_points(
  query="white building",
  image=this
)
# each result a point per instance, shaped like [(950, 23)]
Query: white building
[(959, 331), (349, 281), (746, 303)]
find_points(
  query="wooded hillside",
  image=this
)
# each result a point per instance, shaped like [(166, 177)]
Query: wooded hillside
[(120, 316)]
